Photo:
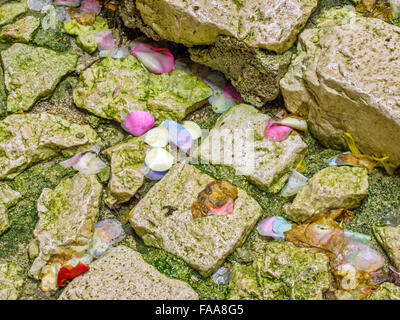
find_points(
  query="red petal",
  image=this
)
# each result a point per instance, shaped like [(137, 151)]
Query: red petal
[(69, 273)]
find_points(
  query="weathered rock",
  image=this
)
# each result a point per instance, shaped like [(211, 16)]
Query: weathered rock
[(269, 24), (86, 34), (238, 140), (386, 291), (126, 177), (330, 188), (8, 198), (67, 216), (20, 31), (9, 11), (27, 73), (12, 280), (345, 79), (122, 274), (254, 72), (32, 138), (389, 238), (167, 96), (282, 272), (163, 219)]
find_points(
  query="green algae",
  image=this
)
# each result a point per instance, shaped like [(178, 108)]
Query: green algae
[(53, 38), (23, 216)]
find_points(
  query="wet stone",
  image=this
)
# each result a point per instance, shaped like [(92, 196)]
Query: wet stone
[(282, 271), (8, 198), (331, 188), (33, 138), (166, 96), (237, 140), (163, 219), (67, 216), (126, 159), (20, 31), (11, 10), (389, 239), (122, 274), (27, 77), (12, 280)]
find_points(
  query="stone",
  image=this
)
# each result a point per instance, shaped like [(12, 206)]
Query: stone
[(126, 159), (282, 271), (386, 291), (67, 216), (389, 239), (237, 140), (166, 96), (27, 77), (27, 139), (8, 198), (11, 10), (85, 35), (268, 24), (20, 31), (12, 280), (335, 81), (331, 188), (254, 72), (163, 219), (122, 274)]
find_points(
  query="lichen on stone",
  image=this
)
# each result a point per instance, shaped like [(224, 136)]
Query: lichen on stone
[(12, 280), (20, 31), (11, 10)]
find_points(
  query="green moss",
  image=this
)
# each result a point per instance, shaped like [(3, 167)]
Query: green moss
[(53, 38), (23, 216)]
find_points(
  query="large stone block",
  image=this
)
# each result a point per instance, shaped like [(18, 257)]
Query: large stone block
[(114, 87), (389, 239), (163, 219), (122, 274), (67, 216), (8, 198), (238, 140), (268, 24), (331, 188), (27, 77), (27, 139), (346, 78), (12, 280)]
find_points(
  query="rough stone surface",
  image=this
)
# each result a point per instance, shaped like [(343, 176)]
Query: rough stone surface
[(238, 140), (163, 219), (8, 198), (345, 78), (126, 159), (389, 238), (9, 11), (85, 35), (267, 24), (282, 271), (122, 274), (32, 138), (114, 87), (27, 73), (254, 72), (386, 291), (12, 280), (20, 31), (67, 216), (331, 188)]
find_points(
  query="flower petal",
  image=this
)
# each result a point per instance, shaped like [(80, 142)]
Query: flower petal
[(138, 123), (276, 132), (72, 161), (159, 159), (231, 93), (67, 3), (91, 6), (156, 60), (90, 163), (105, 40), (68, 273), (178, 135), (157, 137)]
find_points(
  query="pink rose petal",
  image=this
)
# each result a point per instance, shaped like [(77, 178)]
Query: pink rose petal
[(156, 60), (275, 132), (265, 228), (231, 93), (138, 123), (72, 161), (226, 209), (91, 6), (105, 40)]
